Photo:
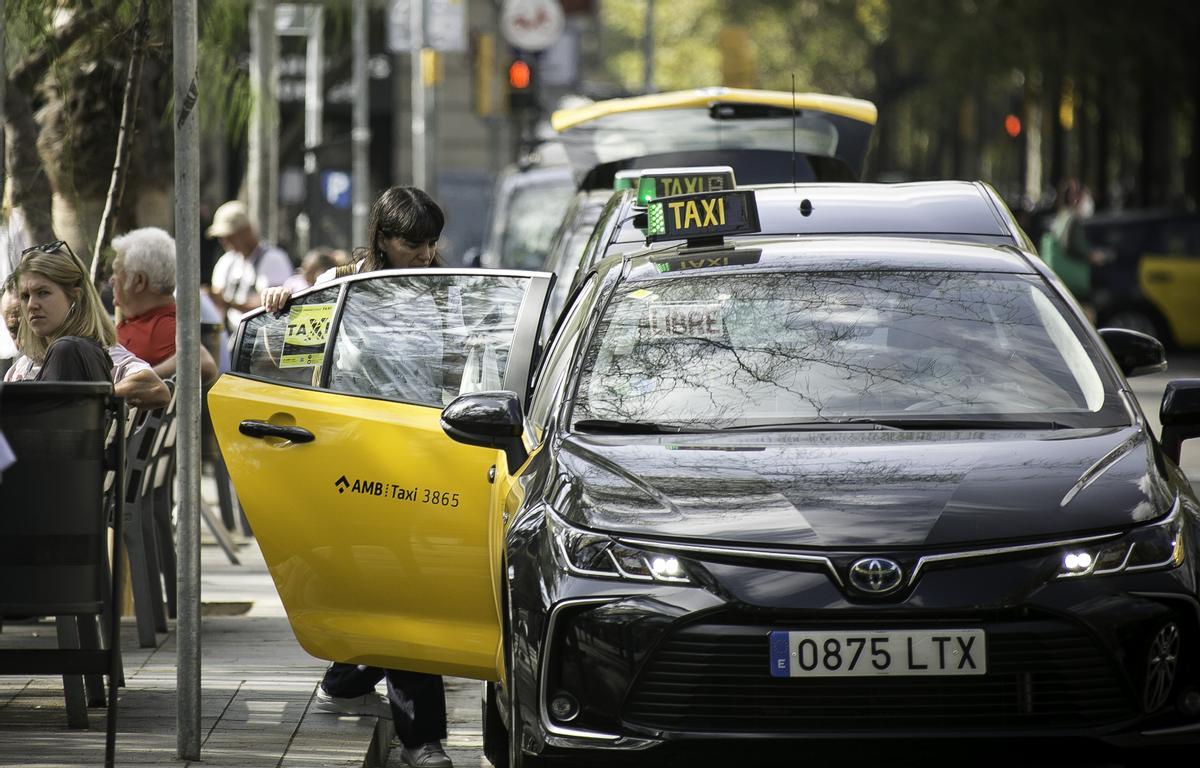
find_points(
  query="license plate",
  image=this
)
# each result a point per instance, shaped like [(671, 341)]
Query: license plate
[(879, 653)]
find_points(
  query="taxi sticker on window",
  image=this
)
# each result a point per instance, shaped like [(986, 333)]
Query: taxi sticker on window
[(685, 320), (305, 335)]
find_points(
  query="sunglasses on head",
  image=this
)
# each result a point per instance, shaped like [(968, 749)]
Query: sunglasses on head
[(55, 246)]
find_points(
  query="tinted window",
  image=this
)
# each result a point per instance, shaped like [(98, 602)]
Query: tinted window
[(741, 350)]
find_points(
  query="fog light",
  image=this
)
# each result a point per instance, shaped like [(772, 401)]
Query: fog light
[(1189, 702), (564, 707)]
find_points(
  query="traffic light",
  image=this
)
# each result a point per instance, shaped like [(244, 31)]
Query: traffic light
[(521, 93), (1012, 125)]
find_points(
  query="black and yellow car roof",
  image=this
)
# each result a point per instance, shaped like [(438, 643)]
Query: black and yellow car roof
[(766, 136), (844, 106)]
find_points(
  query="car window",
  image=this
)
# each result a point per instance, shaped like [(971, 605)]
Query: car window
[(557, 363), (534, 213), (741, 350), (288, 347), (425, 339)]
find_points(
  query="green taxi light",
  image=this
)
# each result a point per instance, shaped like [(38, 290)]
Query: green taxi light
[(656, 183), (626, 180)]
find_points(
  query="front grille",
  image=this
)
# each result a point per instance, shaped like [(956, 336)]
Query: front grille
[(716, 678)]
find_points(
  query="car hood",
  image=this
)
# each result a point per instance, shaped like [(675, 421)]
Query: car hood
[(848, 490)]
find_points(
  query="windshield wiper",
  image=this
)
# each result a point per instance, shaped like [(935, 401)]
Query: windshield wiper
[(812, 426), (936, 423), (627, 427)]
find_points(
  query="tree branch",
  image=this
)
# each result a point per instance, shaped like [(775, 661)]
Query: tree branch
[(116, 187)]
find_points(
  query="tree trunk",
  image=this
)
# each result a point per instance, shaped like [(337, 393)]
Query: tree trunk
[(31, 190)]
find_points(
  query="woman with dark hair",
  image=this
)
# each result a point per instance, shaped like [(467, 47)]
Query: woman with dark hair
[(404, 228), (403, 233)]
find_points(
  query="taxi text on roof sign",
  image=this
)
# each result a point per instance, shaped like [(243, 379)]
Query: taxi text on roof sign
[(669, 182), (705, 217)]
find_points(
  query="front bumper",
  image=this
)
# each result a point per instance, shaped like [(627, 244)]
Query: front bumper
[(679, 664)]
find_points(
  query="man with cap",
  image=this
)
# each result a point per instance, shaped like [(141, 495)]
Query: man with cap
[(248, 267)]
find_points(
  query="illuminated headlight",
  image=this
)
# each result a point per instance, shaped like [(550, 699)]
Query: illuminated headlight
[(1155, 547), (595, 554)]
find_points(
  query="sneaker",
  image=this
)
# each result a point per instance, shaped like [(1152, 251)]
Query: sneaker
[(372, 704), (429, 755)]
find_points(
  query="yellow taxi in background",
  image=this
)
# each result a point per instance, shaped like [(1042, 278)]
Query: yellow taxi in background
[(1151, 281)]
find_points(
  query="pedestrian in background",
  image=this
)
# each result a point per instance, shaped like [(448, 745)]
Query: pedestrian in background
[(1065, 248), (248, 267), (313, 265), (403, 231), (143, 282)]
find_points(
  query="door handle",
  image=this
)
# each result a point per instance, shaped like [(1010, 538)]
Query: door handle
[(261, 429)]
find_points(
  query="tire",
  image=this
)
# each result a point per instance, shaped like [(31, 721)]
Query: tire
[(495, 735)]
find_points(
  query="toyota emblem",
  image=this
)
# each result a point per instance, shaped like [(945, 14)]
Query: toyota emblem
[(875, 575)]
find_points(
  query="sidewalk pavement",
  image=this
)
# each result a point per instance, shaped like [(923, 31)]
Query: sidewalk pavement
[(256, 688)]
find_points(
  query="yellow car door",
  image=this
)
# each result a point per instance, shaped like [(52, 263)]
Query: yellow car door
[(379, 531)]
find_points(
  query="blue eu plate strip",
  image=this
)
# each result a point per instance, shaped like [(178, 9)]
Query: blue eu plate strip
[(781, 661)]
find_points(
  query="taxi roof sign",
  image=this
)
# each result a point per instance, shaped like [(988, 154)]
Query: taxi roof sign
[(702, 219), (627, 179), (670, 182)]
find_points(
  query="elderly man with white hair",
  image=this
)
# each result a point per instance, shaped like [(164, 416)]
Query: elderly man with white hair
[(143, 283)]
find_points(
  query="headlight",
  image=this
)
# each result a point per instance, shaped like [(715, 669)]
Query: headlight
[(1155, 547), (595, 554)]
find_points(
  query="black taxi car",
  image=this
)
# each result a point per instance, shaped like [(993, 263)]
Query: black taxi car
[(761, 487)]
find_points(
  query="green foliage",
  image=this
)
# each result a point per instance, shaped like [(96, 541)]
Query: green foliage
[(945, 72)]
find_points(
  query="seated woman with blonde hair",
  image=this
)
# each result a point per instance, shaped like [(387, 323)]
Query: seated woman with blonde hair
[(64, 332)]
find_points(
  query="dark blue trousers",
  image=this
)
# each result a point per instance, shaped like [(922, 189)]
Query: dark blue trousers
[(418, 700)]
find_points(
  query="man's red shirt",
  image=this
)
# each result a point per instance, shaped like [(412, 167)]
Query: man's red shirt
[(150, 335)]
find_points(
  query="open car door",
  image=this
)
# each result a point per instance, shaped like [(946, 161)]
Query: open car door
[(378, 529)]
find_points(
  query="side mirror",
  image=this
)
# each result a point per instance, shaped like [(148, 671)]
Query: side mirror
[(1180, 415), (490, 420), (1136, 353)]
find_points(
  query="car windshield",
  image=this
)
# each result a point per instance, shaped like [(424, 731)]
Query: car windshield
[(795, 348), (534, 213)]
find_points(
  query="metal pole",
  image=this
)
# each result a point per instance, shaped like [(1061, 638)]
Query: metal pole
[(314, 112), (420, 156), (263, 161), (187, 380), (648, 50), (360, 134)]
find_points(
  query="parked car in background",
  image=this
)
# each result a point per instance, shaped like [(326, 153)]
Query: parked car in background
[(528, 204), (1151, 282)]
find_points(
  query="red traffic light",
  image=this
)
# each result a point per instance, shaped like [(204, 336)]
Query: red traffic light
[(519, 75), (1012, 125)]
